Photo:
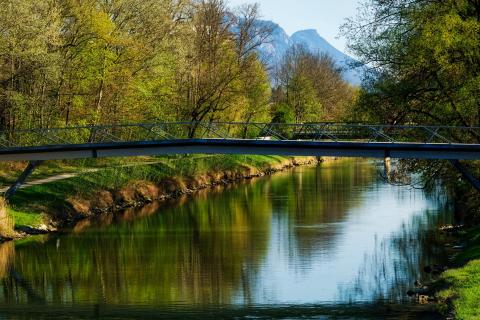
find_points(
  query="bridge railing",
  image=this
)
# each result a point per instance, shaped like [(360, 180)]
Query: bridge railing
[(335, 132)]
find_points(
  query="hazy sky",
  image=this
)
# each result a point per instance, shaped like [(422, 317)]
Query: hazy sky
[(324, 15)]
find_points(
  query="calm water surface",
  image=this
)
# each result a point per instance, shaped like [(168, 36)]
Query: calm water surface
[(333, 242)]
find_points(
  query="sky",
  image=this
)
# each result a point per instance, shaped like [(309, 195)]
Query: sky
[(293, 15)]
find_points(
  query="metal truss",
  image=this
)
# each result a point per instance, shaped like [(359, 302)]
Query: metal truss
[(334, 132)]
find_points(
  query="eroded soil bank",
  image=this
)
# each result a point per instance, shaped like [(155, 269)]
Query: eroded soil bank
[(67, 211), (139, 193)]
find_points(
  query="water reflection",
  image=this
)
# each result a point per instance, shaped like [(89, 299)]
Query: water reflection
[(315, 236), (7, 254)]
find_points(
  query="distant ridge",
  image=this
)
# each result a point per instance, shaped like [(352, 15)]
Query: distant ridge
[(274, 51)]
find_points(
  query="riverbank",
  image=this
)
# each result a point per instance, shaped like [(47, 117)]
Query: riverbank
[(461, 296), (62, 203)]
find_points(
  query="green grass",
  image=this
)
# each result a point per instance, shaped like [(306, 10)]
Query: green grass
[(9, 171), (28, 204), (463, 291), (25, 219), (463, 284)]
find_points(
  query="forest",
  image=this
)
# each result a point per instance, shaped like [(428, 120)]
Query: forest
[(71, 62)]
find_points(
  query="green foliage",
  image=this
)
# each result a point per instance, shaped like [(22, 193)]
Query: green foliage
[(303, 99), (283, 113), (255, 106), (424, 58), (312, 87), (88, 62)]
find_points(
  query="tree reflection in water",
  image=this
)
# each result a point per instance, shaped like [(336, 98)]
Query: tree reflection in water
[(7, 254), (311, 237), (398, 260)]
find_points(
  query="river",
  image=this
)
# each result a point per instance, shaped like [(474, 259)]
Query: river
[(327, 242)]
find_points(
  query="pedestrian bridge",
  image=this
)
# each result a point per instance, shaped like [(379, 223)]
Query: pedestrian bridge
[(313, 139)]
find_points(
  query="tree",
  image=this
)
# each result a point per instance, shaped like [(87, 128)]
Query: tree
[(303, 99), (221, 55), (256, 92), (119, 58), (424, 60), (312, 86), (29, 36), (71, 62)]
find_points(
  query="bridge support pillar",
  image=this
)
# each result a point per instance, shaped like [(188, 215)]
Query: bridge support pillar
[(466, 174), (23, 177)]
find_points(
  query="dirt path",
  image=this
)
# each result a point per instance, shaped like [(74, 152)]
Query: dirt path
[(57, 177), (64, 176)]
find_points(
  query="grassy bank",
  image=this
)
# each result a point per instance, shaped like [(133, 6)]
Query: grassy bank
[(124, 182), (463, 284)]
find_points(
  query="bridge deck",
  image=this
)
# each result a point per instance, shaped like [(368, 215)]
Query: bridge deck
[(245, 146), (320, 139)]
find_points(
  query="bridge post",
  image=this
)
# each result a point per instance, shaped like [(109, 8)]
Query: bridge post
[(21, 180), (466, 174)]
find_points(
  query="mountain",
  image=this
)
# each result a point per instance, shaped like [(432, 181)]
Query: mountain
[(280, 42)]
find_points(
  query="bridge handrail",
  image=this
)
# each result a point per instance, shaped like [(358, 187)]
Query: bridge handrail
[(321, 131), (355, 125)]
